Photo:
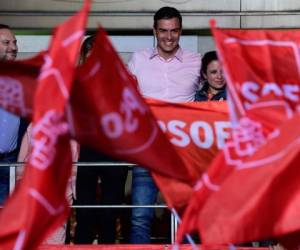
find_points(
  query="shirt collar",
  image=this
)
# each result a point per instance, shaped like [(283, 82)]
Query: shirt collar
[(178, 55)]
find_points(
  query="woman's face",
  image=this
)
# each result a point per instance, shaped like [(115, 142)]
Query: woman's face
[(214, 75)]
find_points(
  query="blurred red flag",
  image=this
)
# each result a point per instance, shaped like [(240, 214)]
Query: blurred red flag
[(110, 115), (250, 191), (18, 83), (41, 193)]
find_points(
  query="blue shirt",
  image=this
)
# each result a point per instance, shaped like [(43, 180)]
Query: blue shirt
[(9, 127)]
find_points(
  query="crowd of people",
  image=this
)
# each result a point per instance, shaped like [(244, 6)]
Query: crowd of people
[(166, 72)]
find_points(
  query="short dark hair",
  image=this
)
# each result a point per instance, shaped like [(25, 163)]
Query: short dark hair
[(207, 59), (4, 26), (167, 13)]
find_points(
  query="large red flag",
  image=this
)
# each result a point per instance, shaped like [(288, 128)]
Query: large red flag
[(251, 190), (110, 115), (268, 193), (41, 193)]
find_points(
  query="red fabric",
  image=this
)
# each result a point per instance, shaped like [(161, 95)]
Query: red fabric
[(264, 205), (18, 83), (41, 195), (110, 115), (250, 191), (197, 131)]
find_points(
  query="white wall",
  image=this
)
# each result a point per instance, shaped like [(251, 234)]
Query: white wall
[(125, 45)]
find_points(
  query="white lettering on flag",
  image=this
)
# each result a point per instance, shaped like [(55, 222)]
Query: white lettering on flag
[(44, 137), (207, 182), (20, 240), (72, 38), (45, 203), (48, 70)]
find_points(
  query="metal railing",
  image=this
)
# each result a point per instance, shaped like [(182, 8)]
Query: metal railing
[(173, 221)]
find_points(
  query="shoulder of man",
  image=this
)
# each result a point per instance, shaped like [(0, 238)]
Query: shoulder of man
[(137, 58)]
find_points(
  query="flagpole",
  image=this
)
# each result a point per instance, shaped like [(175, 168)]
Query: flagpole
[(188, 236)]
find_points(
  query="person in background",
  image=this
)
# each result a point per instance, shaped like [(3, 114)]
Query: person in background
[(12, 127), (169, 73), (59, 236), (214, 84), (112, 184)]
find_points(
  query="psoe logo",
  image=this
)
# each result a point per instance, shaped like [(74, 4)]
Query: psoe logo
[(252, 91), (247, 137)]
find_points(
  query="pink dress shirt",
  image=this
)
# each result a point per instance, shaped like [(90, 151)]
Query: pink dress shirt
[(174, 80)]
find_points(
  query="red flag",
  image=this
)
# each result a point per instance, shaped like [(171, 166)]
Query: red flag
[(197, 131), (18, 83), (42, 190), (110, 115), (242, 196), (264, 206)]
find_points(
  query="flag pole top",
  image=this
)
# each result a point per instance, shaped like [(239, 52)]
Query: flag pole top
[(212, 23)]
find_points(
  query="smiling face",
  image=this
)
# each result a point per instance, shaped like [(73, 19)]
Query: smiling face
[(167, 34), (8, 45), (214, 75)]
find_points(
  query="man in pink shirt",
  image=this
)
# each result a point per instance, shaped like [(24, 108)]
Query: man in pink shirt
[(169, 73)]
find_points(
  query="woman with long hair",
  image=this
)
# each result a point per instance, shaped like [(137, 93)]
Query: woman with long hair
[(213, 81)]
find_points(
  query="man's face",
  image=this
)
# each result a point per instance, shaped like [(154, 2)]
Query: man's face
[(8, 45), (214, 75), (167, 34)]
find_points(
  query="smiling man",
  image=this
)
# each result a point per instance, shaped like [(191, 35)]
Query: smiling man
[(8, 44), (167, 32), (169, 73)]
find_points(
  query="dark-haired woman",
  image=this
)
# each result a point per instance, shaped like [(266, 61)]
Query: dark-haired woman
[(214, 84)]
